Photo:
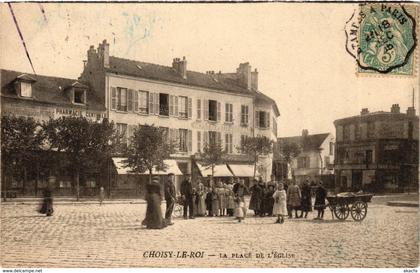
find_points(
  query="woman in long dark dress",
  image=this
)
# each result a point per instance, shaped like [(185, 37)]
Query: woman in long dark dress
[(154, 219), (47, 204), (306, 202), (255, 203), (320, 195)]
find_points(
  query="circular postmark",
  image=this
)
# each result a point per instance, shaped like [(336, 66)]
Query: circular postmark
[(381, 37)]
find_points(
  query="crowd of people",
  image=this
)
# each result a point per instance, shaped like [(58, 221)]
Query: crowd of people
[(219, 199)]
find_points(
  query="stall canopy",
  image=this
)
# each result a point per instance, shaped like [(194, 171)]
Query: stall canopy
[(120, 165), (243, 170), (219, 170)]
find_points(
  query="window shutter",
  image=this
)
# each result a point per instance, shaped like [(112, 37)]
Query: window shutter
[(219, 138), (129, 100), (189, 140), (257, 120), (206, 137), (206, 109), (177, 137), (226, 142), (113, 98), (176, 106), (157, 104), (189, 108), (199, 109), (198, 142), (171, 105), (268, 120), (151, 103), (219, 112), (136, 101)]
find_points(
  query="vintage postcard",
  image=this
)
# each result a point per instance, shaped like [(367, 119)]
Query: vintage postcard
[(209, 135)]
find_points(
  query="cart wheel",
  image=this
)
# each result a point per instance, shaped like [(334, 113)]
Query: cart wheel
[(178, 211), (341, 212), (359, 211)]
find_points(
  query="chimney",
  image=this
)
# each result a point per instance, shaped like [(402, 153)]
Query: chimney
[(91, 55), (103, 52), (244, 75), (305, 132), (254, 80), (395, 109), (411, 111), (180, 66), (364, 111)]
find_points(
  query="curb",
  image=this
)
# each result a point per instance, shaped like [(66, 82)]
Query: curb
[(402, 204)]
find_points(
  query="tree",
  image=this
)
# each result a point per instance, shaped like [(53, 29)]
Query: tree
[(20, 145), (148, 149), (289, 151), (256, 147), (212, 155), (86, 144)]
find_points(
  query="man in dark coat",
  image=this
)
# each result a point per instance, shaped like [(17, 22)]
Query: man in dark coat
[(187, 197), (170, 197), (255, 203), (47, 204)]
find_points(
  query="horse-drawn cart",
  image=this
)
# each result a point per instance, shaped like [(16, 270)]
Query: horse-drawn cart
[(344, 204)]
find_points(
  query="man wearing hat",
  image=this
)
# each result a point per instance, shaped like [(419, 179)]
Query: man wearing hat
[(170, 196), (187, 196)]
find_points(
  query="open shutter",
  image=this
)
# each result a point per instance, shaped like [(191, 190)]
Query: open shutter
[(189, 108), (171, 136), (113, 98), (189, 141), (257, 121), (136, 101), (219, 112), (151, 103), (219, 138), (157, 104), (176, 106), (199, 109), (206, 109), (129, 100), (267, 119), (177, 142), (206, 137), (171, 105), (198, 141)]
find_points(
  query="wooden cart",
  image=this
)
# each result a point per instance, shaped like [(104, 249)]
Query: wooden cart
[(344, 204)]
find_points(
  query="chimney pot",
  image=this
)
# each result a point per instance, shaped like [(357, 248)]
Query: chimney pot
[(395, 109), (305, 132), (364, 111)]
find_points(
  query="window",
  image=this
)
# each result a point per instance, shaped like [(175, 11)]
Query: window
[(243, 138), (326, 161), (228, 112), (183, 107), (163, 104), (122, 133), (228, 143), (369, 157), (121, 99), (143, 99), (331, 148), (346, 132), (303, 162), (244, 115), (183, 135), (198, 109), (79, 96), (198, 141), (357, 133), (165, 131), (212, 110), (263, 119), (212, 137), (371, 130), (26, 89)]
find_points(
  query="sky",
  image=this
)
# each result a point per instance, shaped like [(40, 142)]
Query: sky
[(298, 49)]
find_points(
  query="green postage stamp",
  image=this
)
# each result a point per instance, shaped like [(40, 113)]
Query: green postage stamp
[(382, 38)]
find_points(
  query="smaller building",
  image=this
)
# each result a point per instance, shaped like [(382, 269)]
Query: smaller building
[(315, 160), (377, 151)]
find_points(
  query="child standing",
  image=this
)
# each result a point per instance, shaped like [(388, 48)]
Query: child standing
[(280, 206)]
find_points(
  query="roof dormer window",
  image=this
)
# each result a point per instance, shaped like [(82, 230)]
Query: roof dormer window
[(79, 96), (26, 89)]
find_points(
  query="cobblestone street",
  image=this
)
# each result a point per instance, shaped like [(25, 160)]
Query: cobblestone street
[(89, 235)]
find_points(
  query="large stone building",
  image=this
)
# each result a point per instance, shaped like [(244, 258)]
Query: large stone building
[(42, 98), (377, 151), (314, 161), (193, 107)]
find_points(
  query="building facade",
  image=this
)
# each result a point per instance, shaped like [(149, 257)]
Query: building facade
[(194, 108), (377, 151), (314, 161)]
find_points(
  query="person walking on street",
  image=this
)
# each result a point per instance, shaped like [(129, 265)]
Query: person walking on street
[(154, 219), (280, 206), (170, 197), (294, 198), (101, 195), (320, 195), (47, 204), (239, 190), (306, 202), (187, 197)]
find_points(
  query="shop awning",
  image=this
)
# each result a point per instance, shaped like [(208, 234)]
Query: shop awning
[(120, 165), (243, 170), (219, 170)]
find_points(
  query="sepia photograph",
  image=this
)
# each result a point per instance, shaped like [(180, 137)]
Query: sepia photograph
[(209, 135)]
